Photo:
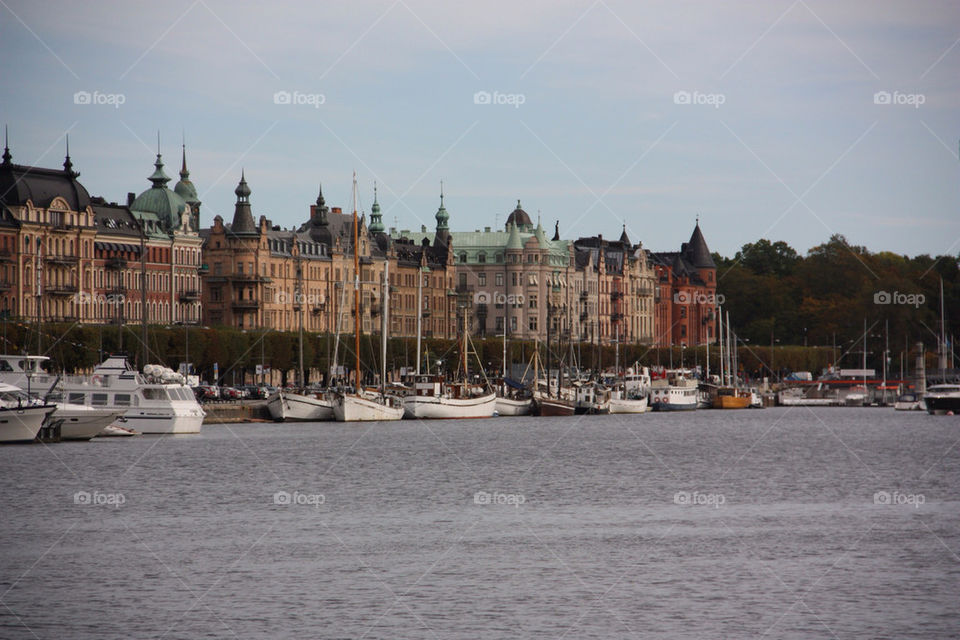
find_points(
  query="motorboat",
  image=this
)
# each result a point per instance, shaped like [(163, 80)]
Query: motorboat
[(731, 398), (156, 401), (677, 394), (942, 399), (81, 422), (908, 402), (434, 398), (21, 416), (631, 394), (591, 398)]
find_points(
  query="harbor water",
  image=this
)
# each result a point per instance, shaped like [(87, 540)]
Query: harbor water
[(782, 523)]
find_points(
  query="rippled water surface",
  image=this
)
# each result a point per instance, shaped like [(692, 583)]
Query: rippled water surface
[(794, 523)]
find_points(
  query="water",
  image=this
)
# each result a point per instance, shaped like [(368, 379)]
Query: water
[(583, 536)]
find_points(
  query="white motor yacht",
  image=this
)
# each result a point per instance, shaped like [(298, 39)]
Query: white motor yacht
[(20, 415)]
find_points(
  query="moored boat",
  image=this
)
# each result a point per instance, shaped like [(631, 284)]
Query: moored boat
[(80, 422), (366, 407), (20, 415), (942, 399), (731, 398), (514, 407), (287, 406), (680, 394), (908, 402)]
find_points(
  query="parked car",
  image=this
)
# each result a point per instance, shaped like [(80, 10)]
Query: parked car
[(207, 392), (255, 391), (230, 393)]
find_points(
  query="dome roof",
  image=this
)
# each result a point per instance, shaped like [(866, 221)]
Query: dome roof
[(184, 188), (160, 200), (520, 218)]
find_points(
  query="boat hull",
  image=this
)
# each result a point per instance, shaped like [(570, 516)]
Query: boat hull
[(619, 406), (440, 408), (555, 407), (675, 406), (351, 408), (22, 424), (731, 402), (942, 405), (163, 421), (296, 407), (82, 422), (511, 407)]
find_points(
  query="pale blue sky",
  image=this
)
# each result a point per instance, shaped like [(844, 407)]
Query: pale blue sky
[(797, 150)]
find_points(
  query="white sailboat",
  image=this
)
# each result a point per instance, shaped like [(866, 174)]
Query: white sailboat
[(434, 398), (362, 405), (512, 401)]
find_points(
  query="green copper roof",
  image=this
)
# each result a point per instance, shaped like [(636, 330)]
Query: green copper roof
[(513, 242), (167, 205), (442, 215), (376, 220), (185, 188)]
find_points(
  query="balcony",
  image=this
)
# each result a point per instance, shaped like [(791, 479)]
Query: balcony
[(203, 269), (116, 263), (616, 317), (61, 290), (616, 295), (6, 255), (6, 286), (58, 226), (62, 261), (245, 304), (117, 290), (189, 295)]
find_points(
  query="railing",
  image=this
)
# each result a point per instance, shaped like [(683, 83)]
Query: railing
[(116, 263), (189, 295), (62, 260), (61, 289), (245, 304)]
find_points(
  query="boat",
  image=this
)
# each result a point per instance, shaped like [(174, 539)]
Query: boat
[(631, 393), (756, 399), (80, 422), (21, 416), (795, 397), (117, 431), (156, 401), (359, 404), (591, 398), (628, 405), (732, 398), (856, 396), (290, 406), (676, 394), (507, 406), (435, 398), (942, 399), (908, 402)]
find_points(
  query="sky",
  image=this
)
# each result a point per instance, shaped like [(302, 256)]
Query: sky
[(786, 120)]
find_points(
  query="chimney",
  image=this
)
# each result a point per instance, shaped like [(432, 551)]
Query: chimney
[(130, 198)]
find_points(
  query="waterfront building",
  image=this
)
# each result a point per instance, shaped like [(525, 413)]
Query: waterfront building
[(686, 302), (264, 276)]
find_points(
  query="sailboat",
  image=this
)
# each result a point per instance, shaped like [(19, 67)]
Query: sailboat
[(563, 402), (362, 405), (729, 395), (290, 406), (513, 399), (630, 393), (435, 398)]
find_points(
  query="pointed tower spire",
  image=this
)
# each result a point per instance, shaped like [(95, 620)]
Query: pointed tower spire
[(442, 215), (67, 165), (7, 158), (184, 174), (556, 232), (624, 238), (376, 220), (242, 215)]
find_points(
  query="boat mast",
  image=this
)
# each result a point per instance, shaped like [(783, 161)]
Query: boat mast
[(419, 309), (384, 325), (942, 347), (463, 354), (722, 369), (356, 284), (299, 306)]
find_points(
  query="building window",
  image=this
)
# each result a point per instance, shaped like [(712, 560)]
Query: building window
[(463, 279), (499, 279), (482, 279), (533, 323), (514, 278), (533, 302), (463, 257), (500, 324), (482, 258), (513, 324)]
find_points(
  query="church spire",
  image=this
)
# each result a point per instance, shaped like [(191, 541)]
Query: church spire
[(67, 165), (442, 215), (7, 158), (376, 219)]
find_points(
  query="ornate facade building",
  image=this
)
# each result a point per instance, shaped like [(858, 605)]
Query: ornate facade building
[(592, 289), (68, 257), (686, 305), (263, 276)]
